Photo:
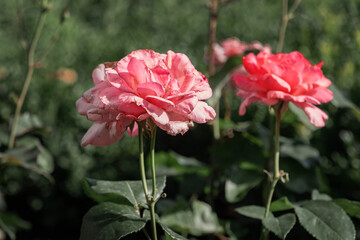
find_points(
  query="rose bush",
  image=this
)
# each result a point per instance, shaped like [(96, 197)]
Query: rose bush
[(284, 77), (144, 85)]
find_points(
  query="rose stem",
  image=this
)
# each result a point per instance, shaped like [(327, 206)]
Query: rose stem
[(276, 173), (30, 70), (141, 160), (153, 175)]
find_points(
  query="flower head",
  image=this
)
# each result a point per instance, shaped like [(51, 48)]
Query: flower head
[(234, 47), (284, 77), (165, 88)]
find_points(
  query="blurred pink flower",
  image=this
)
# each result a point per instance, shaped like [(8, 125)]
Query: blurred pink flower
[(144, 85), (285, 77), (234, 47)]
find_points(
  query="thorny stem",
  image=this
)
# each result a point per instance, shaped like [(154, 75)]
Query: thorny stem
[(153, 175), (30, 70), (276, 174)]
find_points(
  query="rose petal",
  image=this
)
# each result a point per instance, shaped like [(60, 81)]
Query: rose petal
[(317, 117), (150, 88), (102, 134), (202, 113)]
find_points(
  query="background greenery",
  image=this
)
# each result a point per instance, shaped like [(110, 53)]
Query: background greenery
[(97, 31)]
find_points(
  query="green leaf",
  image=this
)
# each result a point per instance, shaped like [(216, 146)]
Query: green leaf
[(305, 154), (173, 164), (111, 221), (325, 220), (10, 223), (30, 154), (339, 100), (197, 221), (252, 211), (118, 191), (316, 195), (29, 122), (170, 234), (280, 226), (351, 207), (281, 204), (221, 78), (240, 182)]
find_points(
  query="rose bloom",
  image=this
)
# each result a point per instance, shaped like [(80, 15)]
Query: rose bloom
[(284, 77), (234, 47), (165, 88)]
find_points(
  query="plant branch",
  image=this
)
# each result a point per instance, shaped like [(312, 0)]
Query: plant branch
[(30, 70), (276, 173), (153, 176), (286, 16), (141, 160), (212, 34)]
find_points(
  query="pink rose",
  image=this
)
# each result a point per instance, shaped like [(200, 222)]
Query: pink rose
[(234, 47), (144, 85), (286, 77)]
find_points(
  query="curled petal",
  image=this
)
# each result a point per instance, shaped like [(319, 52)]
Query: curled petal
[(83, 106), (246, 84), (98, 74), (184, 102), (150, 88), (102, 134), (288, 97), (161, 102), (202, 113), (321, 94), (139, 71), (316, 115)]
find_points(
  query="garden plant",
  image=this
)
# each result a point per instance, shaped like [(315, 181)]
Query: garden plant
[(217, 119)]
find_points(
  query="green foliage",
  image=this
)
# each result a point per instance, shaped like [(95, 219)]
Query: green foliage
[(170, 234), (112, 221), (325, 220), (10, 223), (240, 182), (351, 207), (198, 220), (220, 173), (281, 226), (252, 211), (117, 191), (281, 204)]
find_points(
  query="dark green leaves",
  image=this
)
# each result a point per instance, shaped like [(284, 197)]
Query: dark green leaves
[(30, 154), (120, 210), (170, 234), (196, 221), (252, 211), (240, 182), (111, 221), (280, 226), (325, 220), (281, 205), (121, 191), (10, 223), (351, 207)]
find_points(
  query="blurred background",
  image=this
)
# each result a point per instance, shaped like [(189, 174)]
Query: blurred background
[(41, 191)]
